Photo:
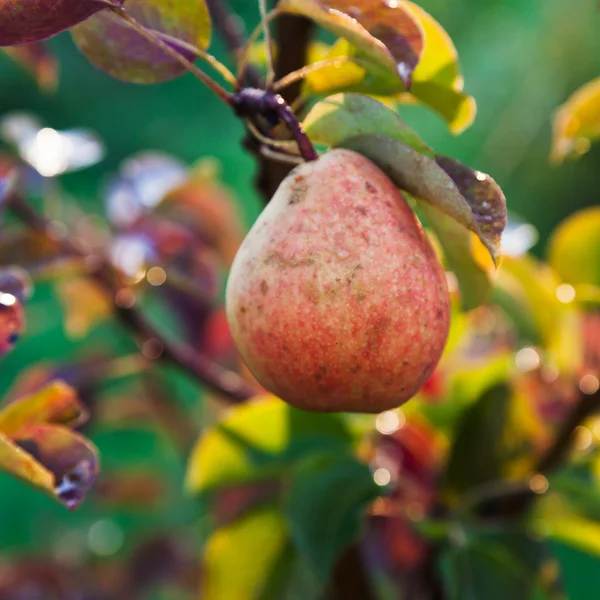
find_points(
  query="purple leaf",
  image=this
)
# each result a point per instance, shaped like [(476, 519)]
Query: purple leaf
[(24, 21)]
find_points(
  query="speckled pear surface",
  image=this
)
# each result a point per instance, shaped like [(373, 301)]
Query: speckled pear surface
[(336, 300)]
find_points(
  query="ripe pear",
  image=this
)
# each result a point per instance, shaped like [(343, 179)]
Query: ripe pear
[(336, 300)]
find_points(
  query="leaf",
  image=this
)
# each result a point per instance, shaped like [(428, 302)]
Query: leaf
[(454, 106), (37, 447), (69, 457), (481, 568), (239, 559), (84, 303), (437, 80), (470, 197), (574, 248), (37, 60), (22, 22), (56, 403), (576, 123), (259, 440), (325, 505), (385, 31), (343, 116), (114, 47), (478, 442), (455, 240)]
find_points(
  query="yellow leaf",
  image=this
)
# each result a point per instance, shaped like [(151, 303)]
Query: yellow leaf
[(574, 249), (55, 403), (85, 305), (239, 558), (577, 123)]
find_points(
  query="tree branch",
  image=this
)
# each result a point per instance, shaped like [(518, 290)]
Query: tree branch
[(229, 26), (220, 380)]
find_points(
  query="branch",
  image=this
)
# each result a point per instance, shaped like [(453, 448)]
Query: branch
[(293, 38), (229, 26), (514, 501), (220, 380)]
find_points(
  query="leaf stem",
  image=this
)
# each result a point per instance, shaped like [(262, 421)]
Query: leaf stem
[(227, 383), (220, 91), (243, 60), (299, 74)]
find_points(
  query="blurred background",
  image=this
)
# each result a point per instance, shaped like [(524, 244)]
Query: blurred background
[(520, 58)]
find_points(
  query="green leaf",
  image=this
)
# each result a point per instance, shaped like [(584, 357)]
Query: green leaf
[(574, 249), (260, 440), (489, 568), (240, 559), (470, 197), (325, 505), (579, 571), (117, 49), (384, 31), (455, 240), (479, 442), (577, 123), (343, 116)]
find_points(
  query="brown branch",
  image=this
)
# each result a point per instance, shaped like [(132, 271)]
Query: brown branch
[(514, 501), (293, 36), (225, 382)]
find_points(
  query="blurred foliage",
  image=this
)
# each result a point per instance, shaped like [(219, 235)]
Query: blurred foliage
[(271, 493)]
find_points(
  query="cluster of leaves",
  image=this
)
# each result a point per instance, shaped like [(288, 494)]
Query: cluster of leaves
[(426, 490)]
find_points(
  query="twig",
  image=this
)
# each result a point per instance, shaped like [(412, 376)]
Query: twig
[(560, 449), (515, 501), (228, 24), (225, 382), (220, 91), (264, 20)]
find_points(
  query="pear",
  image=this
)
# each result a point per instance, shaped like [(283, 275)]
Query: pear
[(336, 300)]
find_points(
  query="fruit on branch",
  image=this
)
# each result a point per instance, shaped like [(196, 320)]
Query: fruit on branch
[(336, 300)]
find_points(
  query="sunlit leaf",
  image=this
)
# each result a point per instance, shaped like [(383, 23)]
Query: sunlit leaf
[(37, 60), (456, 242), (470, 197), (437, 80), (260, 440), (56, 403), (116, 48), (574, 248), (478, 442), (577, 123), (37, 446), (347, 115), (240, 559), (325, 504), (454, 106), (385, 32), (23, 22), (85, 305)]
